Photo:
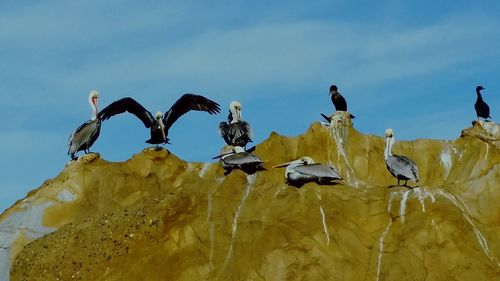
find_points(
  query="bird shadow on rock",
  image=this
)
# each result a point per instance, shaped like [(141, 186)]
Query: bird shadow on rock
[(299, 184), (396, 185), (247, 170)]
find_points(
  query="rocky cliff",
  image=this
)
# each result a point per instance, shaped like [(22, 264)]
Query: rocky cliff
[(157, 217)]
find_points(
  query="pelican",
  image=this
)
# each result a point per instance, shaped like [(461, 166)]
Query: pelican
[(235, 131), (86, 134), (238, 158), (401, 167), (482, 109), (305, 170), (160, 124), (338, 101)]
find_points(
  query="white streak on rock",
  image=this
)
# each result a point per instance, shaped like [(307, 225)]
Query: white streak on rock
[(384, 234), (402, 206), (324, 225), (251, 181), (204, 169), (467, 215)]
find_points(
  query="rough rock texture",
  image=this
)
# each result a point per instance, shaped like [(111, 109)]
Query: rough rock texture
[(156, 217)]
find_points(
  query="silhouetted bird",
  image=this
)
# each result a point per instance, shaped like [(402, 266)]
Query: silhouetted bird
[(338, 100), (482, 109)]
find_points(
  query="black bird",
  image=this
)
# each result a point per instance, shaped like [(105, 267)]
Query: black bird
[(338, 101), (482, 109), (160, 124), (235, 131)]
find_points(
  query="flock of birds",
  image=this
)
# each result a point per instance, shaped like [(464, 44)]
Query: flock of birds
[(237, 133)]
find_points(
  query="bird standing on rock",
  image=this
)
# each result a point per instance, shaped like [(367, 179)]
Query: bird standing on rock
[(482, 109), (305, 169), (401, 167), (235, 131), (238, 158), (338, 101), (86, 134)]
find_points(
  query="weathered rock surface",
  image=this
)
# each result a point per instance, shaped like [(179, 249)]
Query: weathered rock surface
[(156, 217)]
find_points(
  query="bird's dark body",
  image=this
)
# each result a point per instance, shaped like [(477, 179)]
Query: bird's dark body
[(482, 109), (339, 101), (235, 134), (156, 135), (84, 137)]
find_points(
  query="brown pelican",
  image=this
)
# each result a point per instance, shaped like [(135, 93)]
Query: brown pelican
[(235, 131), (160, 124), (238, 158), (401, 167), (482, 109), (85, 135), (338, 100), (305, 170)]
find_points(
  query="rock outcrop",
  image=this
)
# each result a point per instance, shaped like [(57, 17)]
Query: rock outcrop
[(157, 217)]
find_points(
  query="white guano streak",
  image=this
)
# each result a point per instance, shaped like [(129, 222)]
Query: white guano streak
[(467, 215), (384, 234), (324, 225), (402, 206), (251, 181)]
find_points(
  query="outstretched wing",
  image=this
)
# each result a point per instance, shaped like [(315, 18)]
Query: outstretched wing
[(130, 105), (186, 103)]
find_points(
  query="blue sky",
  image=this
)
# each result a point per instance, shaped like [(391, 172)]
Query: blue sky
[(409, 66)]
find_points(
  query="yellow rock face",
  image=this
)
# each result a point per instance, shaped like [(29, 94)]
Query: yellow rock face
[(156, 217)]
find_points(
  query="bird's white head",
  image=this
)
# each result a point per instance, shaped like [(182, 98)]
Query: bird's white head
[(389, 141), (235, 108), (93, 100), (389, 133), (158, 115), (235, 104), (307, 160)]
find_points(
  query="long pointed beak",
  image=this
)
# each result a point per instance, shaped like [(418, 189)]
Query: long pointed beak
[(238, 112), (330, 93), (223, 154), (288, 163), (162, 127)]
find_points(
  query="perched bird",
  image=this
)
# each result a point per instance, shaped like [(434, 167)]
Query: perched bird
[(160, 124), (235, 131), (305, 170), (86, 134), (401, 167), (482, 109), (338, 100), (238, 158)]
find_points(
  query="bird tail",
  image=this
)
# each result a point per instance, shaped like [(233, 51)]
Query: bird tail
[(326, 117)]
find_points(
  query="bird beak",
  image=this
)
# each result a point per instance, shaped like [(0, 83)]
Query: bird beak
[(223, 154), (162, 127), (238, 112), (288, 163)]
